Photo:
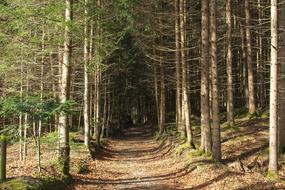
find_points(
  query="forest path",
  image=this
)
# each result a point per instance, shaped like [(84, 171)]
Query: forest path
[(135, 161)]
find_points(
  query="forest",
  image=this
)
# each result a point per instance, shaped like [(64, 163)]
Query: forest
[(152, 94)]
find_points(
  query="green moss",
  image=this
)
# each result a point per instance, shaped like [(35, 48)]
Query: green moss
[(182, 147), (29, 183), (265, 115), (273, 176), (234, 128), (259, 114), (3, 138)]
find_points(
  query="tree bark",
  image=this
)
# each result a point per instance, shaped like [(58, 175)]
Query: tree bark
[(156, 95), (178, 70), (205, 103), (162, 98), (64, 148), (21, 114), (244, 66), (230, 101), (273, 146), (86, 81), (251, 93), (216, 135), (26, 118), (281, 59), (186, 111)]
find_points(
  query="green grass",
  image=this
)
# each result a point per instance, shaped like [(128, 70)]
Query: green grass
[(30, 183)]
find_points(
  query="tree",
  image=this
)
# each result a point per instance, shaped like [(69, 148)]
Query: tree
[(64, 148), (186, 107), (281, 78), (216, 149), (251, 94), (273, 145), (178, 69), (205, 103), (86, 81), (230, 103)]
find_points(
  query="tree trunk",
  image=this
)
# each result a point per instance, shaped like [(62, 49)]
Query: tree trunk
[(104, 108), (260, 59), (186, 111), (205, 104), (162, 85), (178, 70), (216, 135), (230, 103), (41, 97), (251, 94), (281, 98), (156, 95), (273, 146), (26, 117), (162, 99), (86, 81), (21, 114), (244, 82), (64, 148)]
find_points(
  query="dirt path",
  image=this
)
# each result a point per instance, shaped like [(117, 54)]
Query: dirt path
[(135, 162)]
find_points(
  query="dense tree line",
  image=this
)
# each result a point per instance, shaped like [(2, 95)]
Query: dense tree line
[(104, 65)]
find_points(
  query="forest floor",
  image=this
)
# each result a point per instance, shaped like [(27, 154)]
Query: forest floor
[(137, 160)]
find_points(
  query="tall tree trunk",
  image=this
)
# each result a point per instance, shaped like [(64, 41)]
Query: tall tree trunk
[(273, 145), (98, 83), (162, 98), (230, 101), (156, 95), (54, 95), (105, 107), (245, 83), (26, 119), (178, 70), (251, 93), (186, 111), (64, 148), (21, 114), (205, 103), (41, 99), (216, 135), (162, 84), (86, 81), (281, 98), (260, 59)]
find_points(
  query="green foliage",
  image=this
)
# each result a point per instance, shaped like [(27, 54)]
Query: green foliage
[(69, 107), (10, 106), (34, 105)]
